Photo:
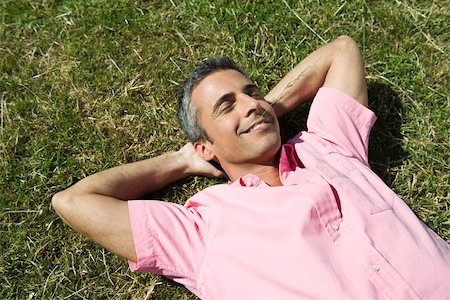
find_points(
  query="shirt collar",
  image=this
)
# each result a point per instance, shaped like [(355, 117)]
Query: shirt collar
[(288, 163), (249, 180)]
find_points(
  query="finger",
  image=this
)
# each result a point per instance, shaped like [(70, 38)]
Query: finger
[(218, 173)]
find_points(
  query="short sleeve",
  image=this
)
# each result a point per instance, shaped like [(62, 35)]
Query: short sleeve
[(341, 120), (169, 239)]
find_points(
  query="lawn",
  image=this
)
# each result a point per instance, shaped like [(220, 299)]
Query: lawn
[(87, 85)]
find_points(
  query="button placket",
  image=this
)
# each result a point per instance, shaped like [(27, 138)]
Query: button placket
[(327, 208)]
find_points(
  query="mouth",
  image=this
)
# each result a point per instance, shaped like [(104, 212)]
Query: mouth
[(258, 125)]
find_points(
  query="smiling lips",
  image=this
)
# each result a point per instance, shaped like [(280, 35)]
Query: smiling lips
[(259, 124)]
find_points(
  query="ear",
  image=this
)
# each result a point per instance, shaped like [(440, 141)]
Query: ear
[(204, 150)]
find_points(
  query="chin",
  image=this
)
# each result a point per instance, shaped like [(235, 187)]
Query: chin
[(269, 151)]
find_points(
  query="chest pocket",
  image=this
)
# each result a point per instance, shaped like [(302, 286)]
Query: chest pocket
[(371, 192), (353, 180), (356, 183)]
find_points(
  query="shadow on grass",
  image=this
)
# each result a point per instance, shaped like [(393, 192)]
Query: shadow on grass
[(385, 150)]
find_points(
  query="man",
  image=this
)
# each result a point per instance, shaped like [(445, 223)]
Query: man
[(308, 219)]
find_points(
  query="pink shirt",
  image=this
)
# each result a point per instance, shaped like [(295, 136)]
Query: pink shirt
[(333, 231)]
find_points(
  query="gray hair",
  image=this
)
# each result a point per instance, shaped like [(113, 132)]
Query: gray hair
[(187, 113)]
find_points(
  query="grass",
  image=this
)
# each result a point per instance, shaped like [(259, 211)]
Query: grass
[(89, 85)]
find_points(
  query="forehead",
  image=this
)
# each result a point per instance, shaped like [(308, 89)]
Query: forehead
[(215, 85)]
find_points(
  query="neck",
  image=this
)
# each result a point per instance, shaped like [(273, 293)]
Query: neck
[(268, 173)]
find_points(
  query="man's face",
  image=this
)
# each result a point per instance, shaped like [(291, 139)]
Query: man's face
[(241, 125)]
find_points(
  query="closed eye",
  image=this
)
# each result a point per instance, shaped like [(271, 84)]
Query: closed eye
[(256, 95), (253, 91), (223, 104), (226, 106)]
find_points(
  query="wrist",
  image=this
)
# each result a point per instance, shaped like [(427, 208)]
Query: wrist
[(183, 158)]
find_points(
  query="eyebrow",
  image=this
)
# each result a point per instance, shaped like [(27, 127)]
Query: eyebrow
[(248, 89)]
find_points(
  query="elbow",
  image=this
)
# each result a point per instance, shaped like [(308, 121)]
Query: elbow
[(63, 204), (59, 201), (345, 42), (345, 38)]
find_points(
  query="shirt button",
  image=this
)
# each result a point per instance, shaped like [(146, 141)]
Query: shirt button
[(375, 267), (335, 226)]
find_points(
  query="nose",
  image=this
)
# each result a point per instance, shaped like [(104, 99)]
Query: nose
[(248, 105)]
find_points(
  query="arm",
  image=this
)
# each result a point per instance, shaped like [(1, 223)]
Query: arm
[(338, 65), (94, 206)]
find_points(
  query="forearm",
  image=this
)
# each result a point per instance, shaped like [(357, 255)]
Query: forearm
[(303, 82), (134, 180)]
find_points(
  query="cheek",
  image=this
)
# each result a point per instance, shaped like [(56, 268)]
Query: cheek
[(227, 124), (221, 130)]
